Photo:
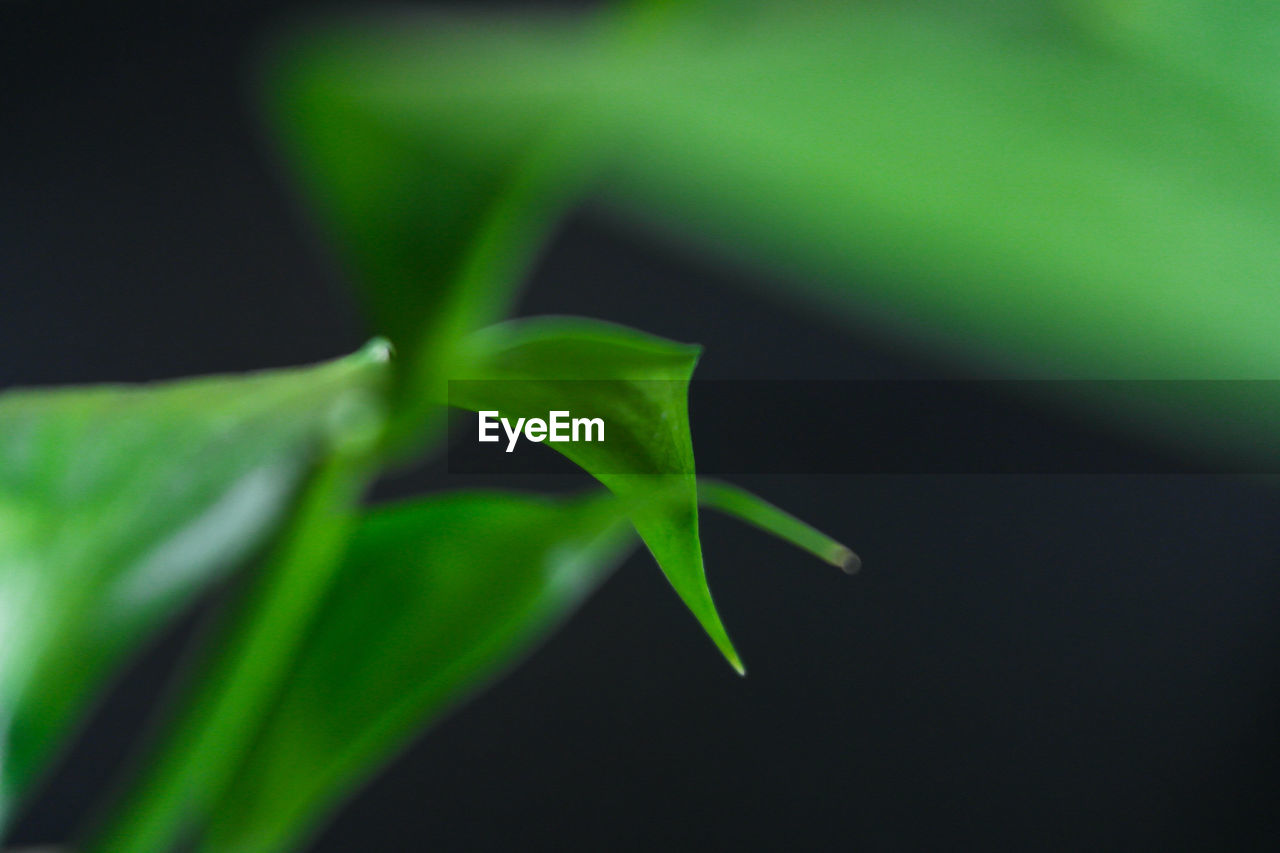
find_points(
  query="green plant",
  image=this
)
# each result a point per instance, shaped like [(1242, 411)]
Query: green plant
[(352, 627), (1060, 187), (355, 626)]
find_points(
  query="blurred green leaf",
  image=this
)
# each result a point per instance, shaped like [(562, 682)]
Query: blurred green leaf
[(639, 385), (242, 662), (995, 185), (1065, 188), (435, 597), (119, 503)]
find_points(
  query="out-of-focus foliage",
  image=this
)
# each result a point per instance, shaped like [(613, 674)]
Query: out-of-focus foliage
[(996, 182), (1085, 189), (117, 504), (1053, 188), (433, 597)]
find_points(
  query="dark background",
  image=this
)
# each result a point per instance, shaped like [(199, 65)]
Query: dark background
[(1026, 662)]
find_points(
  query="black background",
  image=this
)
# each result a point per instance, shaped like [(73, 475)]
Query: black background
[(1026, 662)]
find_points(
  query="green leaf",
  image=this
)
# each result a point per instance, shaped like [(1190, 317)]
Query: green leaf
[(435, 597), (639, 385), (982, 182), (1068, 188), (119, 503)]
